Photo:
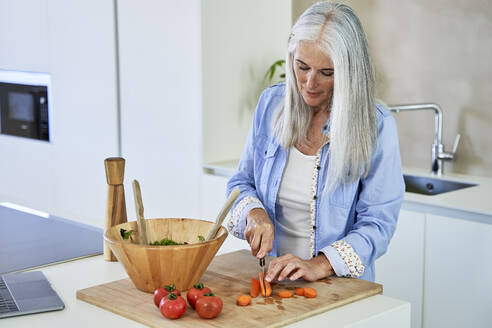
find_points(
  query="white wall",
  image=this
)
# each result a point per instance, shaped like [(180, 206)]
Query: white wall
[(160, 73), (74, 42), (241, 39)]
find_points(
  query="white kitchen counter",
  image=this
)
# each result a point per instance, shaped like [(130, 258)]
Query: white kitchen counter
[(471, 203), (67, 278)]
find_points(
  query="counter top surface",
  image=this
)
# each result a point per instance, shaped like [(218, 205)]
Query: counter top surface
[(67, 278), (471, 202)]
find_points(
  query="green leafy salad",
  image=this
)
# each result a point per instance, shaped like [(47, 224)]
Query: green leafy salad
[(127, 234)]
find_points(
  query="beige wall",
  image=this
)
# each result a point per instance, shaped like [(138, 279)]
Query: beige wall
[(434, 51)]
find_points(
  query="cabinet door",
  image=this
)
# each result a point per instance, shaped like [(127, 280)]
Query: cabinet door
[(400, 270), (161, 102), (458, 266)]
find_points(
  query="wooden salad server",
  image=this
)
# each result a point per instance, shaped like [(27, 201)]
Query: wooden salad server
[(223, 213), (142, 227)]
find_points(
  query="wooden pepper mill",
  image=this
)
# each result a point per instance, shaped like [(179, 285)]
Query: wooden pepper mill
[(116, 206)]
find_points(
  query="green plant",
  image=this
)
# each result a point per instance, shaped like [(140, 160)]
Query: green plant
[(275, 68)]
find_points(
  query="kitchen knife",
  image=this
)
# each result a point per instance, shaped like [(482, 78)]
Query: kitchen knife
[(262, 273)]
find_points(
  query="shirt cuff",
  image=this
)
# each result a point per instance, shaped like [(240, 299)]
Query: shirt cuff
[(350, 257), (237, 222), (341, 269)]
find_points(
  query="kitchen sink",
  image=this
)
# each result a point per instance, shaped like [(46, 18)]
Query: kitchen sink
[(432, 186)]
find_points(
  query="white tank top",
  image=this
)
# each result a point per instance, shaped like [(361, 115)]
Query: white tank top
[(293, 205)]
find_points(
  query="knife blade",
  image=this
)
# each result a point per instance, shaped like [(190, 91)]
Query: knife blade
[(262, 273)]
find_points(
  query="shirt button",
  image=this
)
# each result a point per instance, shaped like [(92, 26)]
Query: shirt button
[(265, 152), (314, 227), (318, 167), (314, 197), (325, 127)]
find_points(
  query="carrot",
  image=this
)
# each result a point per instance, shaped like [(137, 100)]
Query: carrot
[(268, 289), (262, 285), (255, 287), (300, 291), (309, 292), (284, 293), (243, 300)]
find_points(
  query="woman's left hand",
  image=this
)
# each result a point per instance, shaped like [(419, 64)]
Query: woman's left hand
[(294, 268)]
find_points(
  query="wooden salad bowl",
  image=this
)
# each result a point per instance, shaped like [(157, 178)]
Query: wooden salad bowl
[(150, 267)]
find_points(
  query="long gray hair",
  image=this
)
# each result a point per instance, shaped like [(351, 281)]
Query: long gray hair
[(353, 130)]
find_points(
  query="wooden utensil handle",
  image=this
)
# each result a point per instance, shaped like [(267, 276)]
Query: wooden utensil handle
[(142, 228), (223, 213), (115, 205)]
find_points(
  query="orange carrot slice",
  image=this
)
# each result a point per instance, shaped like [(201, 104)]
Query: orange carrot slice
[(309, 292), (284, 293), (255, 287), (262, 284), (268, 289), (243, 300), (300, 291)]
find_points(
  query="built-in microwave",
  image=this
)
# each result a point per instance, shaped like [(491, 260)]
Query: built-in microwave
[(24, 104)]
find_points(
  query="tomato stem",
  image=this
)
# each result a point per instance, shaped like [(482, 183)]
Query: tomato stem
[(199, 285)]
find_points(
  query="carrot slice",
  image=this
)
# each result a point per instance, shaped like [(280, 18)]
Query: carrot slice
[(310, 292), (268, 289), (300, 291), (262, 285), (255, 287), (243, 300), (284, 293)]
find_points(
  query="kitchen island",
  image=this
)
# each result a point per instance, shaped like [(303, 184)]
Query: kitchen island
[(67, 278), (429, 226)]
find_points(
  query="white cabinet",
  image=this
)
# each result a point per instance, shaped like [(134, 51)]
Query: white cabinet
[(458, 266), (441, 265), (74, 42), (400, 270), (160, 65)]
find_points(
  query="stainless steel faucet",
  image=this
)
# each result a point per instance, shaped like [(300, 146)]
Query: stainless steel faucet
[(438, 155)]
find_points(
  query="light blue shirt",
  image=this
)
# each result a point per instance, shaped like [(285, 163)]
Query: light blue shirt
[(361, 215)]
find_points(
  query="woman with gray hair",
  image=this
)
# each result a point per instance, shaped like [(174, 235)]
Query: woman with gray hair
[(320, 175)]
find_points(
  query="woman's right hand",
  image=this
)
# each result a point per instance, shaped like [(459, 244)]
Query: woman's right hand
[(259, 232)]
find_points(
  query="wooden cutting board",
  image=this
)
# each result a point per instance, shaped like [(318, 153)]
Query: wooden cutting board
[(228, 276)]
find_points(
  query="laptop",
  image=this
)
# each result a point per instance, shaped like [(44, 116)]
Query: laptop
[(26, 293)]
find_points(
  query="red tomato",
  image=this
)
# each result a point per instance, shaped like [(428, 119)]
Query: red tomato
[(160, 292), (172, 306), (195, 293), (208, 306)]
